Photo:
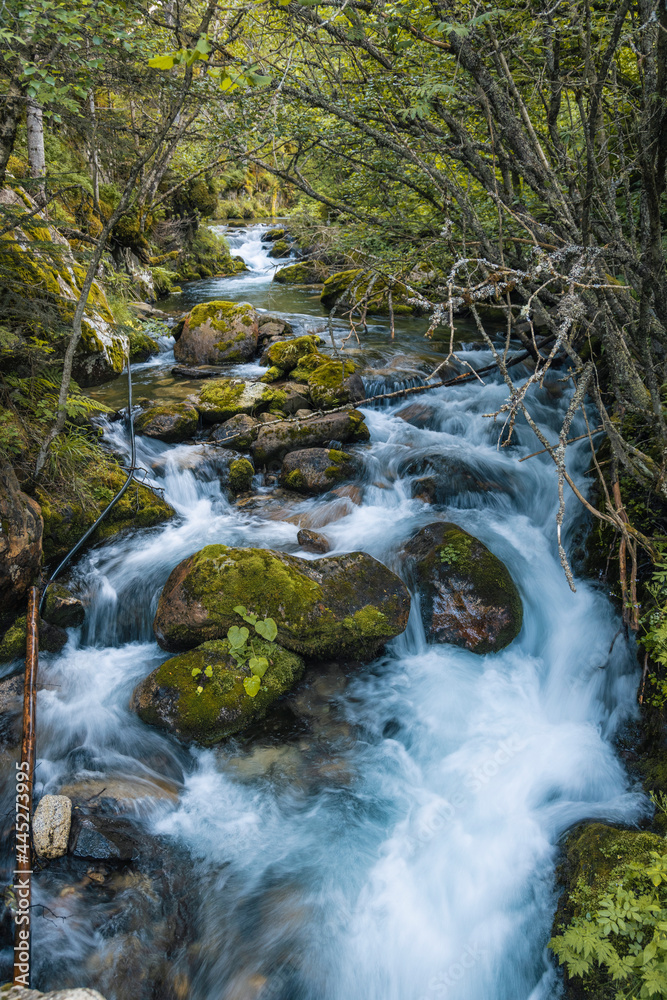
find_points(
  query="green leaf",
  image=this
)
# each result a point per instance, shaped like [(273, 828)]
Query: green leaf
[(196, 671), (203, 45), (162, 62), (267, 629), (241, 609), (251, 685), (259, 665), (199, 689), (209, 671), (237, 636)]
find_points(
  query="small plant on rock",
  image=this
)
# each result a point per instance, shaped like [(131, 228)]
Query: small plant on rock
[(242, 650)]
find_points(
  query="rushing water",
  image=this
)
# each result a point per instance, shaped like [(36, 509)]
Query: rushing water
[(393, 835)]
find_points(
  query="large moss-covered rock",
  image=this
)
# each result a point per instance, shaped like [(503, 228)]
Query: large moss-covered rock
[(217, 332), (272, 235), (275, 440), (52, 638), (241, 472), (169, 422), (306, 272), (236, 432), (168, 697), (316, 470), (334, 383), (20, 539), (45, 269), (468, 597), (75, 504), (63, 608), (342, 605), (223, 398), (288, 354), (280, 248)]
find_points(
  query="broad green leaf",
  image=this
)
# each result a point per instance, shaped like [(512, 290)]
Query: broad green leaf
[(162, 62), (237, 636), (241, 609), (252, 685), (267, 629), (259, 665), (209, 671), (196, 671)]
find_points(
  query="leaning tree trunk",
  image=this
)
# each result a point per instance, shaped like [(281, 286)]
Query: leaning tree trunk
[(36, 157)]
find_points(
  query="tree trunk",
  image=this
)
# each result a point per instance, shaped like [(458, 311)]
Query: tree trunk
[(11, 112), (94, 162), (36, 157)]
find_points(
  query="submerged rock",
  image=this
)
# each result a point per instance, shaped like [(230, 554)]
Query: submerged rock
[(275, 441), (468, 597), (316, 470), (313, 541), (216, 332), (170, 422), (225, 397), (20, 539), (51, 825), (347, 604), (168, 697)]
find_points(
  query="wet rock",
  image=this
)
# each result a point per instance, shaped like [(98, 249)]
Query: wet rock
[(116, 795), (51, 825), (272, 235), (311, 272), (418, 414), (62, 608), (313, 541), (216, 332), (13, 643), (316, 470), (236, 432), (280, 248), (241, 472), (170, 422), (20, 539), (274, 442), (442, 477), (468, 597), (11, 712), (333, 384), (226, 397), (273, 325), (288, 354), (101, 838), (323, 607), (19, 993), (200, 372), (169, 697)]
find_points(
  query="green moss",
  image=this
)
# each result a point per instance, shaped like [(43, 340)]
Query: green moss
[(13, 643), (340, 465), (326, 383), (142, 346), (304, 273), (222, 398), (181, 421), (273, 375), (220, 315), (288, 354), (281, 248), (71, 505), (352, 285), (240, 475), (223, 707), (296, 481), (273, 234)]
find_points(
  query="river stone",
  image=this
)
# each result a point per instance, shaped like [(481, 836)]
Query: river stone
[(418, 414), (20, 539), (468, 597), (241, 472), (52, 638), (271, 235), (62, 608), (275, 441), (168, 697), (316, 470), (442, 477), (19, 993), (341, 605), (170, 422), (237, 432), (225, 397), (306, 272), (216, 332), (51, 825), (273, 325), (280, 248), (313, 541), (288, 354)]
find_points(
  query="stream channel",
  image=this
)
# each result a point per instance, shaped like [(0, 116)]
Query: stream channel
[(390, 834)]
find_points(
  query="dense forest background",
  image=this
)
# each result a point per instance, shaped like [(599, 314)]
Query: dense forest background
[(504, 162)]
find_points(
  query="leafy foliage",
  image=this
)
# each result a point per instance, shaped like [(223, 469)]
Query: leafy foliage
[(242, 650)]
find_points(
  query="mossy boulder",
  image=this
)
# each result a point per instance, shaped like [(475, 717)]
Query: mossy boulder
[(350, 286), (316, 470), (241, 472), (142, 347), (73, 505), (342, 605), (217, 332), (271, 235), (334, 383), (307, 272), (236, 432), (288, 354), (63, 608), (20, 539), (275, 440), (223, 398), (468, 597), (168, 697), (280, 248), (52, 638), (169, 422)]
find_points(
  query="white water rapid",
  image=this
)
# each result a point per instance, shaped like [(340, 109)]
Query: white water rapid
[(396, 840)]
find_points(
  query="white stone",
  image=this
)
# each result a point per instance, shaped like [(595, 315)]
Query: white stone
[(51, 825)]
